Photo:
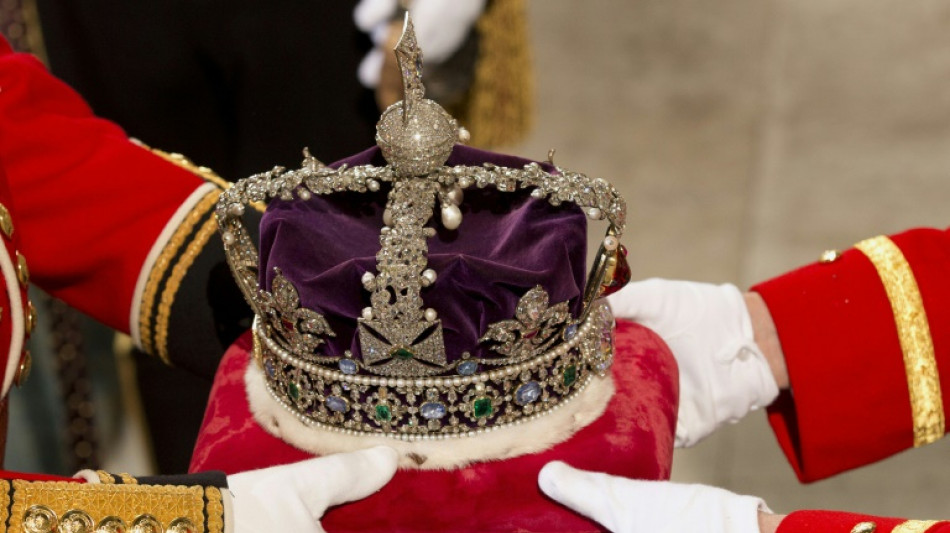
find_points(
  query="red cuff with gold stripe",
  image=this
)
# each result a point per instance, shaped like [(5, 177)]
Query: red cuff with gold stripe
[(838, 522), (851, 377)]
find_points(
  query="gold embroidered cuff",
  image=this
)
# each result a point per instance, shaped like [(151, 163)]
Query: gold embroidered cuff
[(49, 506), (913, 331)]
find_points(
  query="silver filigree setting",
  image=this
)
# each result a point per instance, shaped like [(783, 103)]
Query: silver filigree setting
[(534, 328)]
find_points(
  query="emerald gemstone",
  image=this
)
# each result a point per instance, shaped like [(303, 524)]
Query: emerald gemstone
[(383, 413), (402, 353), (570, 375), (482, 407), (294, 391)]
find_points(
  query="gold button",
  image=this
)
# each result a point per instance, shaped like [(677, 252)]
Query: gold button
[(182, 525), (864, 527), (111, 524), (23, 371), (22, 272), (829, 256), (146, 523), (30, 318), (39, 519), (76, 521), (6, 221)]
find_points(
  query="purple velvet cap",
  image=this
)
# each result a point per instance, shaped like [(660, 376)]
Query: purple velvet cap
[(507, 244)]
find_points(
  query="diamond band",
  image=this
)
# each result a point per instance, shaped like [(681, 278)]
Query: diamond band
[(421, 408)]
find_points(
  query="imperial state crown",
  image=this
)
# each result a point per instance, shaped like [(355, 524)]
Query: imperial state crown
[(436, 299), (425, 360)]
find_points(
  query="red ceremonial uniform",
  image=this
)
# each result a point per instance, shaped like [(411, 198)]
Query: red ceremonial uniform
[(112, 229), (866, 338)]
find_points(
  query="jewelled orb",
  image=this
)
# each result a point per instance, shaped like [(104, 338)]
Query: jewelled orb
[(419, 144), (415, 134)]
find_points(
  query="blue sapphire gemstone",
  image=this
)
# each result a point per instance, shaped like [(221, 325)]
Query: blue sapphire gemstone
[(335, 403), (467, 368), (270, 368), (432, 410), (347, 366), (570, 331), (528, 393)]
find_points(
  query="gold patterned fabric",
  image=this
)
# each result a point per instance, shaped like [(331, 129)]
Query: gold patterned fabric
[(913, 330), (46, 505), (499, 107)]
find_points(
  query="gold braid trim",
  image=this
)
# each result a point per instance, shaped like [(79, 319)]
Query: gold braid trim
[(4, 502), (174, 281), (162, 263), (498, 108), (105, 478), (215, 510), (202, 172), (128, 479), (914, 526), (127, 502), (913, 331)]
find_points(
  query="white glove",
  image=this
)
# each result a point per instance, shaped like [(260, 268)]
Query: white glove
[(293, 497), (723, 373), (441, 27), (628, 506)]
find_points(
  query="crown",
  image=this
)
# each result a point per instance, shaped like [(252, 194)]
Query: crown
[(394, 373)]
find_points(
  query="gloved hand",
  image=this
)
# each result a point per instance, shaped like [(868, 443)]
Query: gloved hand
[(723, 373), (441, 27), (629, 506), (293, 497)]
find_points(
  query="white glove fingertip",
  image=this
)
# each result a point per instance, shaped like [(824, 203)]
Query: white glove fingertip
[(360, 473), (370, 13), (584, 492), (642, 301), (441, 27), (548, 478), (371, 68)]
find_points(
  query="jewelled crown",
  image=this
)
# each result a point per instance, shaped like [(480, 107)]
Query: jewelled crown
[(379, 321)]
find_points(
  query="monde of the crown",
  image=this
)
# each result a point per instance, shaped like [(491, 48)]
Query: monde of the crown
[(416, 135)]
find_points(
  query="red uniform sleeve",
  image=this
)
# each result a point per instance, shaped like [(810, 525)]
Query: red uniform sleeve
[(838, 522), (119, 231), (90, 204), (866, 338)]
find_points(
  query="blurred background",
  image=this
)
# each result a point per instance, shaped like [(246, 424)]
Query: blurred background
[(747, 136)]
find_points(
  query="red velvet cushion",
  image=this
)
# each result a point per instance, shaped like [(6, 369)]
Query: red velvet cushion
[(634, 438)]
